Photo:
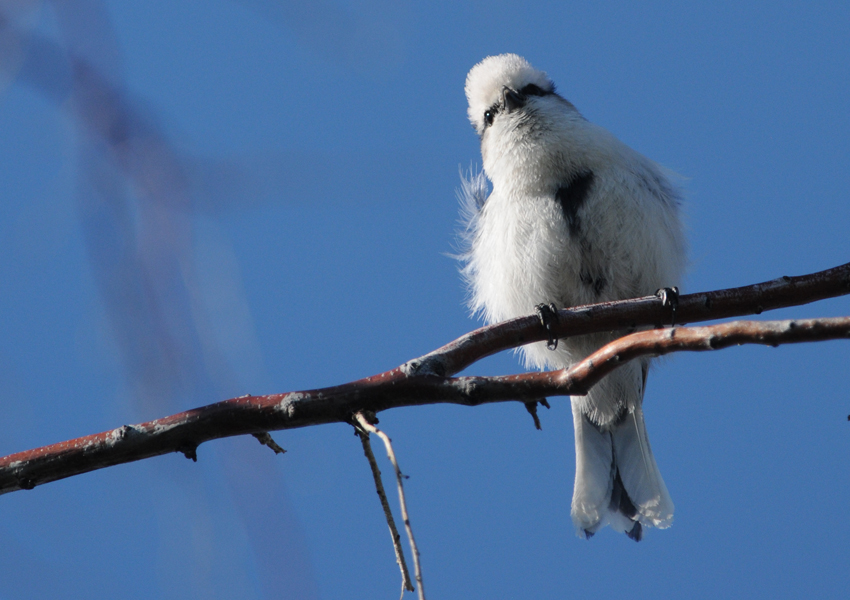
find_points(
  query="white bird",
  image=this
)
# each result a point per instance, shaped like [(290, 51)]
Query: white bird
[(574, 217)]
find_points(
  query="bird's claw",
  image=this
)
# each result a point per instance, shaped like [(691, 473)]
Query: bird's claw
[(670, 297), (548, 315)]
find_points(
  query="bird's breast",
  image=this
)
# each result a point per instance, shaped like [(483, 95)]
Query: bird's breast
[(521, 251)]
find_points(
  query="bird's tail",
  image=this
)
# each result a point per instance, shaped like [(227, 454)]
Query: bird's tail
[(617, 480)]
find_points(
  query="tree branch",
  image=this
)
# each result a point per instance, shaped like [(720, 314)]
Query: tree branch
[(629, 314), (425, 381)]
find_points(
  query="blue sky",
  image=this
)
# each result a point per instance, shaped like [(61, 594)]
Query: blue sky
[(276, 211)]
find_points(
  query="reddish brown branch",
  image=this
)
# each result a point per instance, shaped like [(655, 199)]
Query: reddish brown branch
[(421, 381), (628, 314)]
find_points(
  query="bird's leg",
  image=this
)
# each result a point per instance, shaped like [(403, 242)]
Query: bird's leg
[(670, 297), (548, 315)]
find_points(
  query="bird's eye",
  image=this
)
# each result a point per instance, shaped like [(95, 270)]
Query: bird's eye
[(490, 114)]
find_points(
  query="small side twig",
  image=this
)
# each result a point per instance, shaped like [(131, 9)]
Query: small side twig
[(365, 424), (406, 584), (266, 440), (531, 407)]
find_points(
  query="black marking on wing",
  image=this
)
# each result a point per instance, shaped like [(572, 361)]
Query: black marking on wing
[(598, 283), (572, 196)]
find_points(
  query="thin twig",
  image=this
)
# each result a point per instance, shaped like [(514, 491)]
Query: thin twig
[(531, 407), (266, 440), (406, 584), (365, 424)]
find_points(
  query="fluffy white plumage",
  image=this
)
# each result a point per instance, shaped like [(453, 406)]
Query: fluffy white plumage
[(575, 217)]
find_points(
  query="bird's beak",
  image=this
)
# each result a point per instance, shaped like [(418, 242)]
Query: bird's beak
[(512, 100)]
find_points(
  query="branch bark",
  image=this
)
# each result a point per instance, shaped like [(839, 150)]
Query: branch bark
[(426, 380)]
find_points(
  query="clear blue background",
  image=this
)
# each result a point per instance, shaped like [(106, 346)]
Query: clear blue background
[(277, 212)]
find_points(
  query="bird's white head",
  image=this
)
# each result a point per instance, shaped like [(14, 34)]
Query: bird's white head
[(530, 136), (501, 84)]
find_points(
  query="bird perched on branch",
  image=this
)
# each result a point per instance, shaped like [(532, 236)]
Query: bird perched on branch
[(574, 217)]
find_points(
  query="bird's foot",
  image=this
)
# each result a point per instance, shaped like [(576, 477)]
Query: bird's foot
[(548, 315), (669, 297)]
